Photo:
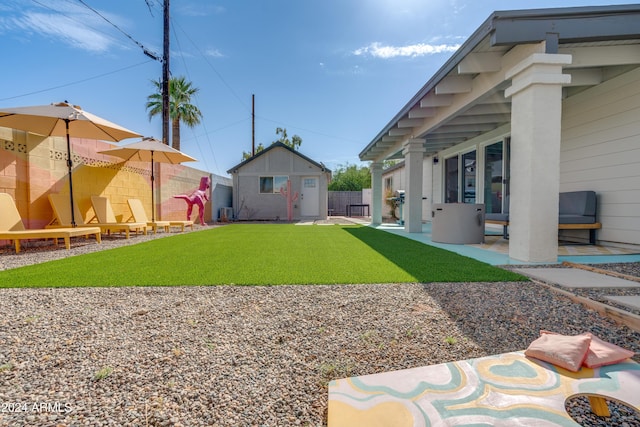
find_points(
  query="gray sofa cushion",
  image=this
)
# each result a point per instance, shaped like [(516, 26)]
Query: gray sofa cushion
[(497, 216), (578, 203), (576, 219)]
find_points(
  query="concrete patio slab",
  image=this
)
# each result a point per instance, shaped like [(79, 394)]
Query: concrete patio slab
[(576, 278), (632, 301)]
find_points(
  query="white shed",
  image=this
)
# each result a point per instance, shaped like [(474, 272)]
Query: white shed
[(260, 186)]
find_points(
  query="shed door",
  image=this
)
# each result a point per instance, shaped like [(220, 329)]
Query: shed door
[(310, 196)]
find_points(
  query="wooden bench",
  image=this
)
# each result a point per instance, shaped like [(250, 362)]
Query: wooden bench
[(577, 211)]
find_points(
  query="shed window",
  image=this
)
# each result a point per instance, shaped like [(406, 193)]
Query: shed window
[(272, 184)]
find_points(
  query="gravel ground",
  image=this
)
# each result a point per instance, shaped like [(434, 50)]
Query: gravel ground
[(247, 356)]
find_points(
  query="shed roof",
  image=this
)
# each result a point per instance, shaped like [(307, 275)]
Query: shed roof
[(278, 145)]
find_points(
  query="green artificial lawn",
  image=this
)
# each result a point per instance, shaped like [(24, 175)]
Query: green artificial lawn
[(261, 254)]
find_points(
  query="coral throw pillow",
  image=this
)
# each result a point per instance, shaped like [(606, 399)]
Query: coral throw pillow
[(568, 352), (602, 353)]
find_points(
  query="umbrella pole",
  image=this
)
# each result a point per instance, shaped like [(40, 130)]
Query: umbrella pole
[(153, 190), (70, 167)]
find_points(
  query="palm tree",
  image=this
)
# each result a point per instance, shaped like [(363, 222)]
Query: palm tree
[(180, 107)]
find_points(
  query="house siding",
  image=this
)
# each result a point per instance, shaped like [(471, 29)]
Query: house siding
[(600, 151)]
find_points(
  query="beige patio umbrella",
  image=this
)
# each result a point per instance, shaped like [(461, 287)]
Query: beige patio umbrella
[(63, 119), (149, 150)]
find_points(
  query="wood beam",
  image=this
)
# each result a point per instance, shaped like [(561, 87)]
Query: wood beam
[(390, 139), (454, 84), (480, 62), (585, 77), (479, 109), (422, 113), (492, 118), (602, 56), (452, 135), (495, 98), (399, 132), (409, 123), (466, 128), (433, 100)]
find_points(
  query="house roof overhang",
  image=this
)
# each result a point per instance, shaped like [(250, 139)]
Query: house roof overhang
[(465, 97)]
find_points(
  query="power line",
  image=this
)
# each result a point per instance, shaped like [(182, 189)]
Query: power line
[(146, 51), (212, 67), (75, 82), (195, 96)]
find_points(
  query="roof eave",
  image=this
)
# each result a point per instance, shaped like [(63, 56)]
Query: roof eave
[(503, 29)]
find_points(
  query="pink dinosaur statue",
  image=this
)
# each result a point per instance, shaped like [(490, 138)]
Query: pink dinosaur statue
[(197, 197)]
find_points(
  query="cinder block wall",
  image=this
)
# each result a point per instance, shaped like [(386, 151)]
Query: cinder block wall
[(32, 166)]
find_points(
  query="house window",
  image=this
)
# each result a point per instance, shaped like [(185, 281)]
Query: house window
[(388, 183), (469, 176), (272, 184), (451, 180)]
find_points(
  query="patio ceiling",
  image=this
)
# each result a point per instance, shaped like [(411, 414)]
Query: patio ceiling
[(465, 98)]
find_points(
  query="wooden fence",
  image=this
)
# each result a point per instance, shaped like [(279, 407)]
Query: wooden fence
[(338, 201)]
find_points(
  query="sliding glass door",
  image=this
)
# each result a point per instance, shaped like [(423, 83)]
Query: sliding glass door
[(469, 176), (461, 177), (496, 177), (451, 180)]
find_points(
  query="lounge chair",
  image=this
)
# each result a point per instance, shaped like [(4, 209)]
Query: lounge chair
[(62, 216), (139, 215), (105, 216), (12, 227)]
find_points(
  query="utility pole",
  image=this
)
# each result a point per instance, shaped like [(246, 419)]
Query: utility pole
[(165, 77), (253, 125)]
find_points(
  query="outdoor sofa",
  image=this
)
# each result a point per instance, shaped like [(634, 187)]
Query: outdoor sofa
[(577, 211)]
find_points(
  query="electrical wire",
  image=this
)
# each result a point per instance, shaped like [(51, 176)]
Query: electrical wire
[(75, 82), (233, 92), (196, 102), (146, 51)]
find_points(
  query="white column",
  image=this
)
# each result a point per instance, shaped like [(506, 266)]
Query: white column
[(413, 155), (536, 119), (376, 193)]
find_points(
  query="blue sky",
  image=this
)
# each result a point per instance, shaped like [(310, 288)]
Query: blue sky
[(333, 72)]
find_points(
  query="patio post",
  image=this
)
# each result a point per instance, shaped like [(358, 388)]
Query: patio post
[(376, 193), (536, 124), (413, 160)]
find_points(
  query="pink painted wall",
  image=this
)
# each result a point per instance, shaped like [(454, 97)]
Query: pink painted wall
[(32, 166)]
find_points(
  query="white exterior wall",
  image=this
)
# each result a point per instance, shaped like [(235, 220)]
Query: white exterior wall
[(600, 151), (397, 183), (427, 188)]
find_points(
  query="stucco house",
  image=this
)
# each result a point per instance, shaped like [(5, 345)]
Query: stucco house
[(257, 184), (534, 103)]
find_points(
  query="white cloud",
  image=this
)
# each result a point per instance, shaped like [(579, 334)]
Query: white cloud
[(62, 22), (214, 53), (199, 9), (377, 50), (62, 28)]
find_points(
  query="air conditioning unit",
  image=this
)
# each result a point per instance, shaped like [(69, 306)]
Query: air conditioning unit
[(226, 214)]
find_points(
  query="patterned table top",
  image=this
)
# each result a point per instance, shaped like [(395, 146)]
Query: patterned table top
[(501, 390)]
